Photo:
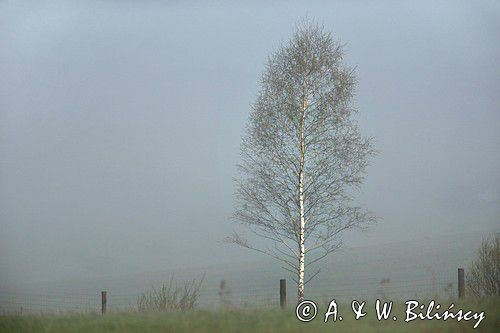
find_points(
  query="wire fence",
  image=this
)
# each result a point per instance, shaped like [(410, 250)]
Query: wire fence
[(242, 292)]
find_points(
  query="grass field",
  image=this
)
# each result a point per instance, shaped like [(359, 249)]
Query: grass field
[(245, 320)]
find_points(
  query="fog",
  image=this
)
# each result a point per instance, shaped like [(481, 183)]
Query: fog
[(120, 125)]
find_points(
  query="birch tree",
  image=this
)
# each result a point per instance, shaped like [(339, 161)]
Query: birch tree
[(302, 155)]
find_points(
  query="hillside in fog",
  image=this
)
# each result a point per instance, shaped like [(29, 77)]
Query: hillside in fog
[(424, 267)]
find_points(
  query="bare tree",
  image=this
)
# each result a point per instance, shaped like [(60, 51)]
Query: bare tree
[(483, 277), (302, 154)]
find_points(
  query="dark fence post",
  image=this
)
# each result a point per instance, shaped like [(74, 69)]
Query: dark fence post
[(282, 293), (461, 283), (104, 301)]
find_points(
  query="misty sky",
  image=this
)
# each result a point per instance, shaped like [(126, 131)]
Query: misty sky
[(120, 124)]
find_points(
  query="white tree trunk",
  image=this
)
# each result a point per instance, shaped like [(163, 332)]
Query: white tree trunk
[(301, 271), (300, 294)]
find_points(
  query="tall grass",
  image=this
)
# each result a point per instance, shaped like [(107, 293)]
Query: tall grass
[(248, 321)]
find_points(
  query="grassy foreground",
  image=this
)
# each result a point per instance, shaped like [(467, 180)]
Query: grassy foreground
[(246, 321)]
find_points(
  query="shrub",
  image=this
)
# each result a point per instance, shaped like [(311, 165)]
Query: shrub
[(170, 297), (483, 277)]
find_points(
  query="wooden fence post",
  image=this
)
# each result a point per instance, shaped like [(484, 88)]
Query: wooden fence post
[(461, 283), (282, 293), (104, 301)]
